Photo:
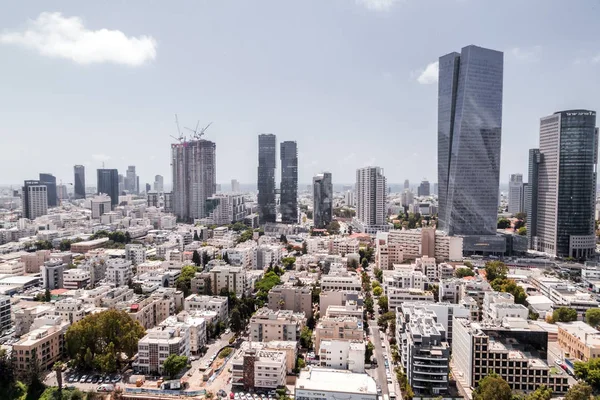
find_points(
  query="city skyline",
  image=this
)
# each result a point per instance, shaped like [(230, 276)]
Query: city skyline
[(390, 97)]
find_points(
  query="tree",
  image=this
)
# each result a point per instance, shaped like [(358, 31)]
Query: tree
[(196, 258), (235, 321), (196, 237), (503, 223), (522, 216), (592, 316), (579, 391), (522, 231), (518, 224), (333, 228), (226, 257), (205, 258), (47, 295), (304, 248), (369, 352), (283, 239), (383, 304), (174, 364), (369, 305), (564, 314), (57, 368), (492, 387), (352, 264), (495, 269), (288, 262), (435, 289), (364, 264), (541, 393), (315, 293), (306, 338), (184, 281), (462, 272), (377, 291), (378, 274), (589, 372)]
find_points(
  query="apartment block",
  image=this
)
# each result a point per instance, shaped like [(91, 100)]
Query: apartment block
[(267, 325), (315, 383), (499, 305), (44, 344), (398, 296), (5, 313), (337, 298), (71, 310), (52, 274), (118, 271), (75, 278), (295, 298), (351, 282), (404, 277), (579, 340), (136, 253), (158, 344), (351, 308), (231, 278), (25, 316), (253, 369), (33, 261), (338, 328), (217, 304), (342, 354), (12, 268)]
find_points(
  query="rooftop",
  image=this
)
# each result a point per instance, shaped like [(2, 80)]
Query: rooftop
[(333, 380)]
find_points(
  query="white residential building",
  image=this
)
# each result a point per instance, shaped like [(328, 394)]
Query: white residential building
[(76, 279), (217, 304), (267, 325), (158, 344), (25, 316), (316, 383), (118, 271), (351, 308), (71, 310), (371, 192), (100, 205), (398, 296), (136, 253), (52, 274), (197, 327), (253, 368), (404, 277), (12, 268), (234, 279), (351, 282), (342, 354), (243, 255)]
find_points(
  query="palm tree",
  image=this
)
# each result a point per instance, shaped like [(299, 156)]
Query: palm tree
[(57, 367)]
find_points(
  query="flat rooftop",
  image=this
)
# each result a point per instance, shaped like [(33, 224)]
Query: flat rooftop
[(333, 380)]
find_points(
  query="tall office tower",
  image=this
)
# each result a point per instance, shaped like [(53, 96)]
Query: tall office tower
[(121, 184), (531, 195), (108, 183), (267, 149), (235, 186), (435, 189), (289, 183), (194, 165), (35, 199), (566, 186), (50, 181), (131, 180), (516, 195), (406, 184), (79, 181), (469, 134), (148, 187), (424, 188), (137, 185), (61, 192), (371, 189), (159, 185), (322, 200)]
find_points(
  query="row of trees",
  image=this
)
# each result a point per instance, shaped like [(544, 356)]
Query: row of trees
[(496, 273), (493, 387)]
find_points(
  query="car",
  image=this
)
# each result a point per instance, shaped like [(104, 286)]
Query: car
[(89, 379), (82, 379), (116, 378), (95, 379), (100, 379), (71, 379)]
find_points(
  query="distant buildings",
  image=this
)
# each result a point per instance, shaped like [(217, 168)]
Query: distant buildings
[(267, 205), (371, 192), (289, 183), (424, 188), (469, 138), (516, 194), (159, 185), (222, 209), (235, 186), (131, 181), (79, 181), (406, 184), (50, 181), (108, 183), (322, 200), (531, 193), (35, 199), (101, 204), (194, 177), (566, 185)]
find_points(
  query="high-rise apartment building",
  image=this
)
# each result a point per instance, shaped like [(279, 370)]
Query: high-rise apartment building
[(159, 185), (289, 182), (79, 181), (235, 186), (516, 194), (194, 177), (371, 191), (469, 135), (424, 188), (267, 149), (322, 200), (35, 199), (566, 184), (108, 183), (50, 181), (406, 184), (131, 180), (531, 195)]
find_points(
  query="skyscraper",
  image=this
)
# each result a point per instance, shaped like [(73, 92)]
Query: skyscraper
[(516, 195), (194, 168), (371, 190), (406, 184), (235, 186), (424, 188), (531, 195), (50, 181), (35, 199), (469, 135), (131, 180), (322, 200), (267, 149), (108, 183), (79, 181), (566, 184), (159, 183), (289, 183)]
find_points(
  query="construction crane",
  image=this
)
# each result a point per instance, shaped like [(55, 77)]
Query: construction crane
[(181, 137), (198, 134), (68, 183)]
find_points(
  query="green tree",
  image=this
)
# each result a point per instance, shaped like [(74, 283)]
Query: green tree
[(503, 223), (518, 224), (492, 387), (564, 314), (352, 265), (369, 352), (494, 270), (592, 316), (579, 391), (57, 368), (47, 295), (378, 274), (522, 231), (589, 372), (226, 257), (235, 321), (184, 281), (174, 364), (541, 393), (383, 304), (288, 262), (522, 216), (377, 291), (196, 237), (205, 258), (364, 264), (64, 245), (468, 264), (333, 228), (369, 306), (304, 248), (306, 338), (462, 272), (196, 259), (283, 239)]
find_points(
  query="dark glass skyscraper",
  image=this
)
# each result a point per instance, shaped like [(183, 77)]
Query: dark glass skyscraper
[(531, 195), (108, 183), (79, 182), (289, 183), (566, 184), (50, 181), (322, 200), (469, 136), (267, 160)]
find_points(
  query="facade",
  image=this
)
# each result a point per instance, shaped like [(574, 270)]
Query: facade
[(194, 177), (101, 205), (289, 182), (118, 271), (136, 253), (108, 183), (316, 383), (52, 274), (567, 184), (159, 183), (267, 325), (5, 309), (223, 209), (295, 298), (25, 317), (131, 181), (217, 304), (333, 282), (371, 192), (396, 297), (516, 195), (424, 188), (338, 328), (322, 200), (75, 278), (231, 278), (258, 368), (35, 199), (267, 205), (579, 340), (71, 310), (531, 195), (158, 344), (235, 186), (50, 181), (44, 344), (342, 354), (79, 181), (469, 137)]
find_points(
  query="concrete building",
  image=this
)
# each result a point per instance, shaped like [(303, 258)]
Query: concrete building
[(5, 313), (267, 325), (35, 199), (24, 317), (76, 278), (404, 278), (531, 192), (12, 268), (500, 305), (50, 181), (396, 297), (71, 309), (118, 271), (516, 194), (342, 354), (108, 183), (235, 186), (258, 368), (159, 184), (332, 282), (44, 344), (194, 177), (316, 383), (371, 192), (52, 274), (579, 340), (223, 209), (136, 253), (217, 304), (234, 279), (267, 162), (33, 261), (295, 298), (323, 200), (158, 344), (338, 328), (289, 183), (424, 188), (329, 298), (79, 181), (351, 308), (101, 205)]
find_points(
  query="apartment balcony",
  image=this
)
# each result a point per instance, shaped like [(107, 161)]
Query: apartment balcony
[(430, 358), (430, 371)]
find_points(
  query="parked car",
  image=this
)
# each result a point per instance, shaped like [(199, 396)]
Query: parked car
[(95, 379), (89, 379), (82, 379)]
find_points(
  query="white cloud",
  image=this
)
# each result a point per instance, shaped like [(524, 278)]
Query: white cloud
[(54, 35), (100, 157), (529, 54), (429, 75), (378, 5), (596, 59)]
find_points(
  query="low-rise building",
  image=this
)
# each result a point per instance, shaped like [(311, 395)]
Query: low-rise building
[(338, 328), (217, 304), (118, 271), (253, 369), (25, 316), (5, 313), (228, 277), (398, 296), (76, 278), (71, 310), (315, 383), (267, 325), (158, 344), (338, 298), (44, 344), (342, 354), (351, 282), (579, 340), (136, 253), (33, 261), (351, 308), (12, 268), (52, 274), (295, 298)]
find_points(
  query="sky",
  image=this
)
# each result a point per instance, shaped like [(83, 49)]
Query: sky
[(354, 82)]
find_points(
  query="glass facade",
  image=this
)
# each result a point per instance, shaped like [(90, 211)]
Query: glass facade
[(531, 195), (469, 139), (289, 183), (322, 200), (267, 206), (108, 183), (50, 181), (79, 183)]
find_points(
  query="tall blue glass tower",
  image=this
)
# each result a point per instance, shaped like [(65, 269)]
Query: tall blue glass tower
[(469, 138)]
